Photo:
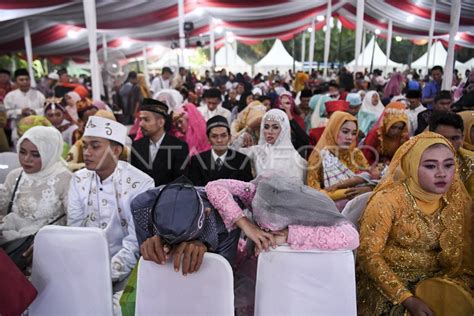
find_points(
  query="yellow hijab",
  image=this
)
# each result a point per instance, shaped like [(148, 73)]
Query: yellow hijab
[(329, 136), (407, 158), (468, 118), (329, 141)]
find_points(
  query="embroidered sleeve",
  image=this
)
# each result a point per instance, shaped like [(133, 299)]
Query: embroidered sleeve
[(6, 191), (326, 238), (376, 225), (220, 193), (360, 160)]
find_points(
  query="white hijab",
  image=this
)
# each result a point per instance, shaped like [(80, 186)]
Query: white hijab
[(49, 142), (367, 105), (172, 98), (281, 155)]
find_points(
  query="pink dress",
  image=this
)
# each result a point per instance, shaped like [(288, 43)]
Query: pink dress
[(220, 193)]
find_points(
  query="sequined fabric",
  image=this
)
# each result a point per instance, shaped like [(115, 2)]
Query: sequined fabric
[(400, 246)]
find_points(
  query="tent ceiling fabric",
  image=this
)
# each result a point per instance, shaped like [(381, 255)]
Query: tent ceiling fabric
[(149, 22)]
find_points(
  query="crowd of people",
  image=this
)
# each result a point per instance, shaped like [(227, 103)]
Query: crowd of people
[(293, 149)]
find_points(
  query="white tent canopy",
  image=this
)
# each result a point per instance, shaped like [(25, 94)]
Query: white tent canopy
[(438, 56), (365, 58), (232, 61), (277, 58)]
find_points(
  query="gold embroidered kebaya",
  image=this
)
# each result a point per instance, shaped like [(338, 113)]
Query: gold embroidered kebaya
[(408, 235), (352, 158)]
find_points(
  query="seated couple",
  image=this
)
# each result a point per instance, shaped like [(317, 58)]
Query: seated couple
[(283, 211)]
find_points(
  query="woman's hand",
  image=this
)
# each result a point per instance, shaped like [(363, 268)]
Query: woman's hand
[(247, 140), (417, 307), (353, 192), (281, 236), (332, 188), (28, 255), (262, 240)]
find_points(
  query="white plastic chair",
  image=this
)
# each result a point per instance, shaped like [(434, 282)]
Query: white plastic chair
[(163, 291), (295, 282), (8, 162), (354, 209), (71, 271)]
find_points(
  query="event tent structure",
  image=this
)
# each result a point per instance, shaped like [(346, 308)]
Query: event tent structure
[(277, 58), (379, 58), (77, 29), (438, 56), (227, 57)]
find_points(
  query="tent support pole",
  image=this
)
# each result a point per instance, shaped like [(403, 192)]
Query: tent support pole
[(91, 24), (29, 52), (359, 30), (389, 45), (455, 16), (311, 44), (430, 36), (182, 43), (327, 38)]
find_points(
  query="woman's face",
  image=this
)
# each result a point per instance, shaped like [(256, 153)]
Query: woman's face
[(69, 100), (396, 130), (182, 124), (29, 157), (249, 99), (271, 131), (375, 99), (285, 100), (346, 135), (436, 169)]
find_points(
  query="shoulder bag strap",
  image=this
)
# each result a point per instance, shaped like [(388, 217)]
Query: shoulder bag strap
[(10, 205)]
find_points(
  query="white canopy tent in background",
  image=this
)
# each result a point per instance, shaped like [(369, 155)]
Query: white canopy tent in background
[(438, 55), (277, 58), (59, 27), (231, 62), (365, 58)]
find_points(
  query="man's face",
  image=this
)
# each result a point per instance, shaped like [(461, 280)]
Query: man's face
[(212, 103), (23, 82), (99, 153), (354, 110), (333, 92), (452, 134), (4, 78), (219, 138), (413, 103), (240, 88), (55, 116), (443, 105), (166, 75), (151, 123), (304, 103), (64, 77), (232, 94), (437, 75)]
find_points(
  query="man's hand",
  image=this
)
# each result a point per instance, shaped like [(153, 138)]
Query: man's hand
[(191, 252), (153, 249)]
